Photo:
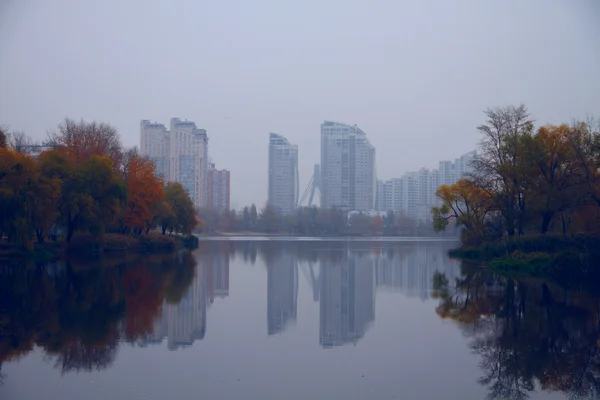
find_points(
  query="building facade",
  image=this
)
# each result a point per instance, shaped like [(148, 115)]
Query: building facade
[(413, 194), (180, 155), (283, 174), (155, 144), (218, 183), (348, 173)]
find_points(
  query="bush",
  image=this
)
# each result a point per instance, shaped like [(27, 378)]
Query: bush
[(156, 241)]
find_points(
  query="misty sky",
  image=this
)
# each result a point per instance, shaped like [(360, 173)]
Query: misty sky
[(414, 75)]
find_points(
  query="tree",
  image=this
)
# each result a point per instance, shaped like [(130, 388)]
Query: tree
[(18, 179), (182, 208), (83, 139), (558, 183), (92, 197), (253, 215), (3, 138), (499, 167), (144, 190), (465, 203), (19, 142), (270, 220)]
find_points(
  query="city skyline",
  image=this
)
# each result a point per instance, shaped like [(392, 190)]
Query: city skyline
[(416, 83)]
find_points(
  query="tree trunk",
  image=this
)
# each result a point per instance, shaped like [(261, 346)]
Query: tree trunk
[(164, 229), (546, 218), (40, 235), (70, 231)]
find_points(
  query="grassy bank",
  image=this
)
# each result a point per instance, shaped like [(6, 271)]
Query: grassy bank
[(536, 255), (94, 246)]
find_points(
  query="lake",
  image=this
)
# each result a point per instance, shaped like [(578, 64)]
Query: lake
[(274, 318)]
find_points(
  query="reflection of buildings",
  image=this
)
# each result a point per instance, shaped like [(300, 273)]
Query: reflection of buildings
[(185, 322), (347, 299), (282, 293), (411, 270), (217, 274)]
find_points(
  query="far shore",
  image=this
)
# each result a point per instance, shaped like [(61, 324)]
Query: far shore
[(280, 235)]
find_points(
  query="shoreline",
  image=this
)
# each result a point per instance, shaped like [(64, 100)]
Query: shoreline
[(95, 247)]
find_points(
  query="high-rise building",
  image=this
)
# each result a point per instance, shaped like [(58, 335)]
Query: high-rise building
[(414, 193), (348, 174), (155, 144), (180, 155), (218, 183), (283, 174), (189, 159)]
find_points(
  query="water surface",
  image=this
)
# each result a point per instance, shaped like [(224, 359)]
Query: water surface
[(283, 319)]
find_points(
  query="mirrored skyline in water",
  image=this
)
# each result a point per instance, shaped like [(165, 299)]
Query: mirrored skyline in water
[(293, 319)]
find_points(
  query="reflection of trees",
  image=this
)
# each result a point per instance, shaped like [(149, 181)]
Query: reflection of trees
[(78, 314), (527, 333), (78, 356)]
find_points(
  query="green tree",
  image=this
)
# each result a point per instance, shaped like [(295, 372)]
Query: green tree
[(92, 196), (182, 207)]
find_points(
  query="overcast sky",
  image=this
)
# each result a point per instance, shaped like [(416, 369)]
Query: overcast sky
[(414, 75)]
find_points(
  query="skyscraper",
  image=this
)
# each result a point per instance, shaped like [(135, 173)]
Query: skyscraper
[(189, 159), (348, 174), (283, 174), (155, 144), (218, 184), (180, 155)]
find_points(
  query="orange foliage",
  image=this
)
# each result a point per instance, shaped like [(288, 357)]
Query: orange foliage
[(145, 190), (143, 299)]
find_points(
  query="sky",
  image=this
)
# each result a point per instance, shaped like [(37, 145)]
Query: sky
[(416, 76)]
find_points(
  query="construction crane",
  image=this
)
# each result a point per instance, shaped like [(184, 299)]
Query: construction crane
[(314, 185)]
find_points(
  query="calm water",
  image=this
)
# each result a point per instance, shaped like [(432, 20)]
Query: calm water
[(277, 319)]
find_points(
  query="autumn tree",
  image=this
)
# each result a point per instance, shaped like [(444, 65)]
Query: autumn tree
[(3, 139), (557, 183), (18, 179), (144, 191), (83, 139), (464, 203)]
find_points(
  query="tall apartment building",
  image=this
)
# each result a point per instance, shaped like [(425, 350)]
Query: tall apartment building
[(283, 174), (348, 174), (155, 143), (180, 155), (218, 185), (413, 194), (189, 159)]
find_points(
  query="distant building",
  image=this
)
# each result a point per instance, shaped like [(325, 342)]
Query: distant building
[(155, 143), (283, 174), (348, 173), (34, 150), (414, 194), (180, 155), (218, 182)]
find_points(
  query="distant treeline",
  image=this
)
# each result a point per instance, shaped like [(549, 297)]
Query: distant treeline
[(313, 221), (85, 181)]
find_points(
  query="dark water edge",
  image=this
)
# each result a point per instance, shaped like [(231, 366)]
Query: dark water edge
[(93, 246), (294, 319)]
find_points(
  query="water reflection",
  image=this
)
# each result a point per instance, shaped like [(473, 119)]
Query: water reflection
[(527, 333), (527, 336), (79, 314)]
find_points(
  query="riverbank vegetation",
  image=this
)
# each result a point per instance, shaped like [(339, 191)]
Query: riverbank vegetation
[(84, 186), (533, 190), (313, 221)]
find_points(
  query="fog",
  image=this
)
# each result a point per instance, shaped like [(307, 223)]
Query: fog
[(415, 76)]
